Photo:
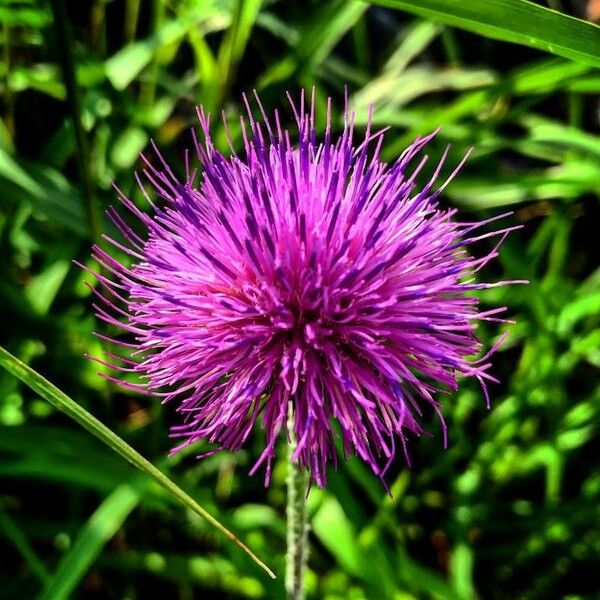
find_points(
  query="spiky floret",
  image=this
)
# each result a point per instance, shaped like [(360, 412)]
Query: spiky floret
[(305, 272)]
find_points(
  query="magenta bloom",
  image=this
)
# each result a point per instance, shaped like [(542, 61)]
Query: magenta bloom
[(302, 272)]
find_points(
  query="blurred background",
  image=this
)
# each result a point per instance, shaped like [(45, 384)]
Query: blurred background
[(510, 510)]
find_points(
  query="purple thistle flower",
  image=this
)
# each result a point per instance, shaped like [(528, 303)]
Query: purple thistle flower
[(310, 273)]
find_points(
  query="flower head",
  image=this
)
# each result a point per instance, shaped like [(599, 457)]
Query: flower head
[(302, 273)]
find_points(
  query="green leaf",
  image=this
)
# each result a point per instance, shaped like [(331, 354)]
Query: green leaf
[(44, 189), (394, 90), (42, 77), (60, 455), (237, 36), (548, 132), (333, 530), (12, 532), (65, 404), (517, 21), (124, 66), (127, 147), (100, 528), (318, 36), (580, 308), (43, 288), (336, 532), (570, 440), (411, 44), (538, 77), (566, 181), (580, 414), (427, 582), (253, 516), (23, 16), (461, 570)]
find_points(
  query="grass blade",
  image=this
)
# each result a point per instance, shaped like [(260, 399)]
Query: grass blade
[(517, 21), (62, 402), (318, 37), (11, 531), (100, 527), (63, 36), (234, 42)]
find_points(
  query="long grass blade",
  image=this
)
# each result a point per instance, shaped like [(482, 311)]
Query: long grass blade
[(517, 21), (62, 402), (100, 527)]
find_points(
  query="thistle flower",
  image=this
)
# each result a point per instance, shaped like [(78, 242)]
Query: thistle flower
[(302, 273)]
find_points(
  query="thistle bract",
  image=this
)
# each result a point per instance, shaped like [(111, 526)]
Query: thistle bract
[(300, 272)]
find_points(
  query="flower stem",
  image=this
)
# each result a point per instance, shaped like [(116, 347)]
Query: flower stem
[(297, 523)]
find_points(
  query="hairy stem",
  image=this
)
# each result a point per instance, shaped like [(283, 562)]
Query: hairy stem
[(297, 522)]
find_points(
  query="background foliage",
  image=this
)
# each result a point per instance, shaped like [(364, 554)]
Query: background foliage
[(511, 509)]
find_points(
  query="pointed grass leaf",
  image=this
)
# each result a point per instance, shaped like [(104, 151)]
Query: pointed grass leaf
[(124, 66), (10, 530), (62, 402), (45, 189), (237, 36), (100, 527), (317, 38), (549, 132), (517, 21), (334, 531)]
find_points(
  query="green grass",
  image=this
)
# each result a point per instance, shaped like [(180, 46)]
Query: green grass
[(509, 510)]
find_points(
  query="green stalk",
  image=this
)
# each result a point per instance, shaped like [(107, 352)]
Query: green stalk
[(132, 13), (360, 39), (9, 100), (450, 45), (148, 88), (63, 39), (14, 534), (97, 30), (234, 44), (297, 521)]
